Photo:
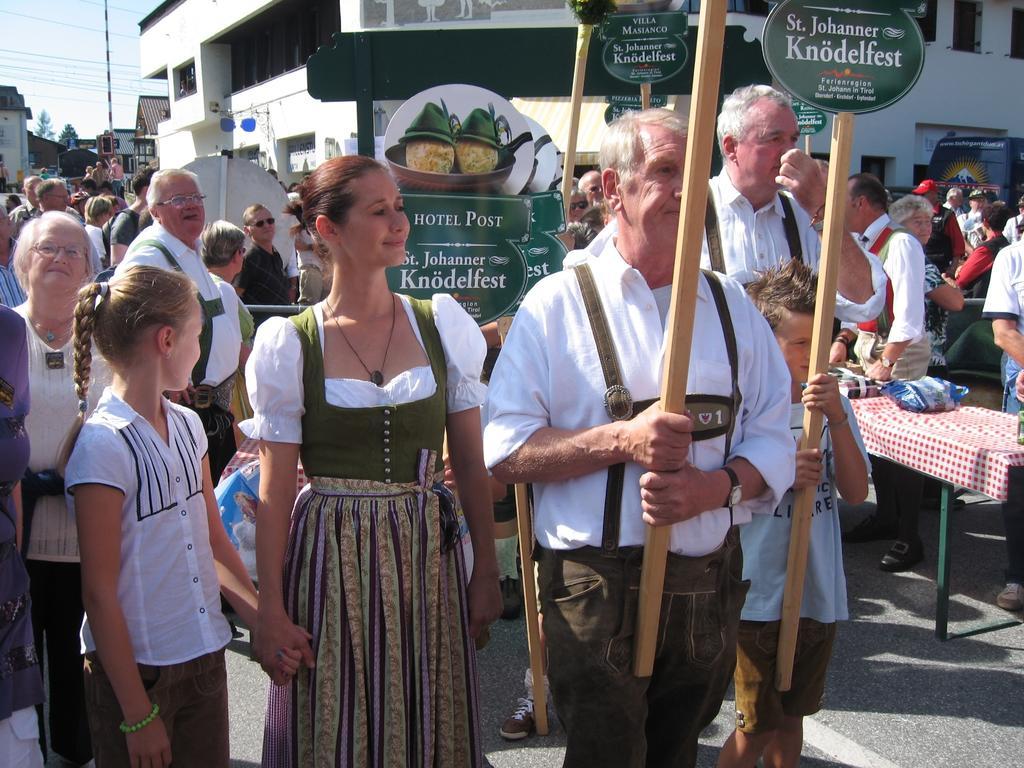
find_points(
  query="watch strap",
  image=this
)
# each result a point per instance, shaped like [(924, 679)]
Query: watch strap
[(735, 483)]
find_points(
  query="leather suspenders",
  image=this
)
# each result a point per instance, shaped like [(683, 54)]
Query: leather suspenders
[(714, 415), (714, 235)]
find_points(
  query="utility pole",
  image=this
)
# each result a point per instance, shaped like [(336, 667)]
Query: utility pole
[(110, 98)]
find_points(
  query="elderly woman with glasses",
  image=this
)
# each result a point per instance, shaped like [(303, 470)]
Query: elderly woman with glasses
[(52, 263)]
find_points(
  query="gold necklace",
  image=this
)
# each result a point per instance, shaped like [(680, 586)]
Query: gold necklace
[(377, 377)]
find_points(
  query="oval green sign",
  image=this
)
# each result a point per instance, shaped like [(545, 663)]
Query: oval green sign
[(644, 47), (845, 59), (808, 119), (483, 251)]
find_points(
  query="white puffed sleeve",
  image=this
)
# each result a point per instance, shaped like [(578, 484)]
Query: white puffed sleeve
[(464, 349), (273, 375)]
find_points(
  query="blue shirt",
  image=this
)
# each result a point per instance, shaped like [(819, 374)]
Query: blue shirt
[(11, 294), (766, 545)]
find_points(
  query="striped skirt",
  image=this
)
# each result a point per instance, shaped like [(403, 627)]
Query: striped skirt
[(395, 679)]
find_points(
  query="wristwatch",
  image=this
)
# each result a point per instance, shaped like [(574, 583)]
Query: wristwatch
[(735, 492), (887, 363)]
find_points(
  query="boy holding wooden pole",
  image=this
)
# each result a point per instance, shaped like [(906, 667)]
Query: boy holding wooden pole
[(768, 721)]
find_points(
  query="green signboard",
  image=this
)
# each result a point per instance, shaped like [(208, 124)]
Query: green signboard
[(644, 47), (843, 59), (484, 251), (619, 105), (808, 119)]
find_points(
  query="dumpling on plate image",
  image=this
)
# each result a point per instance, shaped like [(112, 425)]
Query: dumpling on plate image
[(429, 141), (477, 146)]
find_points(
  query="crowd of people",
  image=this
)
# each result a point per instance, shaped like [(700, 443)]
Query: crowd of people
[(142, 361)]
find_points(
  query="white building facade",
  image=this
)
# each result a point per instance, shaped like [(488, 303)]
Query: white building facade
[(14, 117), (237, 80)]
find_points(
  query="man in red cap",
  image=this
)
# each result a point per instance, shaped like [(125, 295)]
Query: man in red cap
[(945, 248)]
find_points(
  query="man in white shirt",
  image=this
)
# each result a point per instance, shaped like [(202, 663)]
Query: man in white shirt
[(894, 345), (1005, 308), (954, 200), (769, 201), (555, 420), (970, 222), (1012, 230), (171, 242)]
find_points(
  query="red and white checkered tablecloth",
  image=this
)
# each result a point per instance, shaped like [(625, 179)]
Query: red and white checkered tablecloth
[(972, 448), (248, 451)]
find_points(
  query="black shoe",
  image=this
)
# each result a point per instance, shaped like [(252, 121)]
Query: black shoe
[(511, 598), (870, 529), (902, 556)]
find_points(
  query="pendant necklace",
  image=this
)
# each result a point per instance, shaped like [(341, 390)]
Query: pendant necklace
[(377, 376), (48, 335)]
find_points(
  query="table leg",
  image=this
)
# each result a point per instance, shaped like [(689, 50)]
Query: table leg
[(942, 578)]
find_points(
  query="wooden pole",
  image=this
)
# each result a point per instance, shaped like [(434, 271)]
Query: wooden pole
[(525, 524), (701, 137), (821, 341), (645, 95), (578, 76)]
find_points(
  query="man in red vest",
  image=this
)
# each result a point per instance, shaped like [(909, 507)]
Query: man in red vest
[(894, 345)]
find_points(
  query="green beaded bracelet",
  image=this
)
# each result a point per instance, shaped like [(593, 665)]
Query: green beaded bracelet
[(126, 729)]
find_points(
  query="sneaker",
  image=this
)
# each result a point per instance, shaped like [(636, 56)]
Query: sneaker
[(511, 598), (902, 556), (1011, 598), (520, 723), (871, 528)]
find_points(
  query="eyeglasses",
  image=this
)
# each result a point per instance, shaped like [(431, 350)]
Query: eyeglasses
[(180, 201), (578, 206), (50, 251), (268, 222)]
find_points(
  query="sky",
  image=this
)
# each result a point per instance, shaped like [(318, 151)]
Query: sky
[(54, 53)]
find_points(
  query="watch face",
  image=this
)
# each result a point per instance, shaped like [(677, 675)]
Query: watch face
[(735, 495)]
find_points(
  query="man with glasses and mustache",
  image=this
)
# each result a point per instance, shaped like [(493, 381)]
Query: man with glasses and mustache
[(262, 279), (172, 243)]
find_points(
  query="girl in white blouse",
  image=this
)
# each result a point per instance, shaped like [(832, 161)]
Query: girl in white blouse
[(364, 576), (154, 634)]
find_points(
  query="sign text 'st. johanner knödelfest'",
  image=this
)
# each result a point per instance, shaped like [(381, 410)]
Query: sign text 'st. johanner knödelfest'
[(844, 59)]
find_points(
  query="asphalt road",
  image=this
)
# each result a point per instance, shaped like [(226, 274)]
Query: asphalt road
[(896, 696)]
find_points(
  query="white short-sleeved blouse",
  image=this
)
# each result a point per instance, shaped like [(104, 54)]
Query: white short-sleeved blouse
[(167, 585), (273, 373)]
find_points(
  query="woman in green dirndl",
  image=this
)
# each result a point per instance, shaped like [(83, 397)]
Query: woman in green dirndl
[(366, 577)]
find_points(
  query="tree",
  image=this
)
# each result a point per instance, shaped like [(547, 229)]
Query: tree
[(67, 134), (44, 125)]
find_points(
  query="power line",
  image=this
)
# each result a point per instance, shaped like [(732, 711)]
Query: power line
[(80, 77), (136, 11), (71, 73), (66, 58), (68, 24)]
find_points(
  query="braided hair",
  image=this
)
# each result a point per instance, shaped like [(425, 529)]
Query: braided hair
[(112, 316)]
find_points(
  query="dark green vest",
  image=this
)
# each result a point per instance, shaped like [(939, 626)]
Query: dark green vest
[(381, 443)]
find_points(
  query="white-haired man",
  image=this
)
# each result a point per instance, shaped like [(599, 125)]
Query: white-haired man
[(766, 205), (171, 242), (562, 419)]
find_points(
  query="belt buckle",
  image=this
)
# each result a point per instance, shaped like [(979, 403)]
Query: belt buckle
[(202, 397), (618, 403)]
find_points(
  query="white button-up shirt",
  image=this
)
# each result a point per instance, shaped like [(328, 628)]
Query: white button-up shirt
[(904, 264), (1005, 299), (755, 241), (167, 585), (227, 339), (548, 375)]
